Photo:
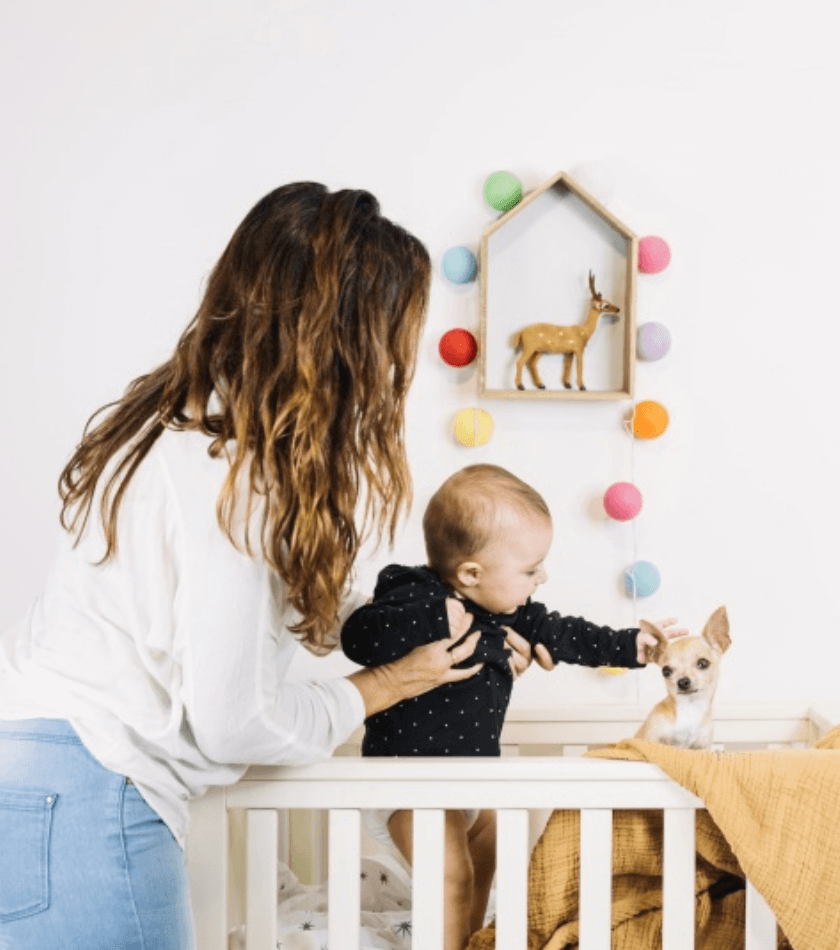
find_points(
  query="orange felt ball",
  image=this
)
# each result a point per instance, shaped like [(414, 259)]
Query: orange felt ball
[(458, 347), (650, 419)]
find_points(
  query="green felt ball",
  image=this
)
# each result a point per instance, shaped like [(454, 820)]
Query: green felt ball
[(502, 191)]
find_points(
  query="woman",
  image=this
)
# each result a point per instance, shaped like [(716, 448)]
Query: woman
[(211, 516)]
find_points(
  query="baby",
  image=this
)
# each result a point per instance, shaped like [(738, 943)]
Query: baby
[(487, 535)]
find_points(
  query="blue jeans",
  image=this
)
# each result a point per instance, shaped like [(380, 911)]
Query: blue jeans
[(85, 863)]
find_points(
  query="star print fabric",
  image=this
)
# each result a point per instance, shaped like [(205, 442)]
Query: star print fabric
[(302, 909), (466, 717)]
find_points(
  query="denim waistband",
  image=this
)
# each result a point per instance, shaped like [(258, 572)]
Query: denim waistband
[(42, 728)]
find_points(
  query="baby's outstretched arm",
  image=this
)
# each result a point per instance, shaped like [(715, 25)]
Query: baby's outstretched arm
[(647, 639), (575, 640)]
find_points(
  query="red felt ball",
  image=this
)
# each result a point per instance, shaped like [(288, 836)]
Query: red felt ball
[(458, 347)]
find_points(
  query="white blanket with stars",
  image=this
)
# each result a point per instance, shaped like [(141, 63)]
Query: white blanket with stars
[(302, 910)]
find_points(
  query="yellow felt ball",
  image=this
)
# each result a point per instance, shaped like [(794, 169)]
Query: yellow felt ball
[(650, 419), (613, 670), (473, 426)]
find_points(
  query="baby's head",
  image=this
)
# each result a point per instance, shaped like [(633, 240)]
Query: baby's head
[(487, 533)]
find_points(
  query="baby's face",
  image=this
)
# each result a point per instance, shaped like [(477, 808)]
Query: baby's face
[(512, 564)]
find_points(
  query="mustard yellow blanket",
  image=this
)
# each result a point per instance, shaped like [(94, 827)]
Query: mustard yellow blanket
[(774, 816)]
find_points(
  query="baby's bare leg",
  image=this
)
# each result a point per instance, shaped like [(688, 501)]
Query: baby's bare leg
[(457, 869), (481, 841)]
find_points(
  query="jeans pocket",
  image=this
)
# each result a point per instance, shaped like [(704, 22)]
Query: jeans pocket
[(25, 823)]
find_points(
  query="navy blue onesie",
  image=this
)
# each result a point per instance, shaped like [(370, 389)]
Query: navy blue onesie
[(462, 718)]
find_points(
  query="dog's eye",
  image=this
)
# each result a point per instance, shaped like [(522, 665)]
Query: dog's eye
[(666, 671), (702, 664)]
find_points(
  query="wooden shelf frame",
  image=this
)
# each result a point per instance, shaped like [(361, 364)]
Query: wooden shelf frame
[(629, 310)]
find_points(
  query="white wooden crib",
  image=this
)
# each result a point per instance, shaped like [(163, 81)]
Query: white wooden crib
[(239, 833)]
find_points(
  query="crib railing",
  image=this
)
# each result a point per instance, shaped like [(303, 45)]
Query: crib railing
[(513, 785)]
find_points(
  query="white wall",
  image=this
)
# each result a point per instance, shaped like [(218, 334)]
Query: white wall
[(136, 136)]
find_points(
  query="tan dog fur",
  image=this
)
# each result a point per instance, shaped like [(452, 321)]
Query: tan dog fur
[(690, 666)]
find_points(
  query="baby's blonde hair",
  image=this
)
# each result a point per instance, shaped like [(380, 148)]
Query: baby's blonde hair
[(464, 512)]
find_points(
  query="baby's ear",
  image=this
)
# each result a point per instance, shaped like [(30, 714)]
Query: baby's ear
[(716, 630), (468, 573), (653, 652)]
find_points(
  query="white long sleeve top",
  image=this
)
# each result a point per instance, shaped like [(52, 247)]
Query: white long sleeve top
[(169, 659)]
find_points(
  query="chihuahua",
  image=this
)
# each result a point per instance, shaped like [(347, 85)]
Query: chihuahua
[(690, 666)]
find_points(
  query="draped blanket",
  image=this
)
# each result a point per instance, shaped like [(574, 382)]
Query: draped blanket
[(774, 816)]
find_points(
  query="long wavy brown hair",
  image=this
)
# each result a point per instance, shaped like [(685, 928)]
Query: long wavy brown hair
[(306, 339)]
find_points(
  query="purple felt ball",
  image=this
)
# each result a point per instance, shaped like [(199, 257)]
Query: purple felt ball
[(622, 501), (653, 341)]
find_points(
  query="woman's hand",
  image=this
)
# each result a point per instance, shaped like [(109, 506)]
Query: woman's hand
[(521, 654), (424, 668)]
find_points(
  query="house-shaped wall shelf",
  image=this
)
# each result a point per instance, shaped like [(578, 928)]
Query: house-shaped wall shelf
[(534, 265)]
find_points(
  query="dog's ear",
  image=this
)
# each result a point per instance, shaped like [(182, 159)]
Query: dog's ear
[(653, 651), (716, 630)]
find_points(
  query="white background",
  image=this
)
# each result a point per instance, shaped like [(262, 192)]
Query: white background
[(137, 135)]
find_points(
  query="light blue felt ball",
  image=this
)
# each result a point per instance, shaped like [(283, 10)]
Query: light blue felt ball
[(643, 578), (459, 265)]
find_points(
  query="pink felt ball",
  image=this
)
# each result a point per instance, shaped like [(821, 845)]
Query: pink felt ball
[(458, 347), (622, 501), (654, 255)]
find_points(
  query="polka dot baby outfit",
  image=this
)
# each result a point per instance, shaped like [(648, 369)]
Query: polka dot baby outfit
[(466, 717)]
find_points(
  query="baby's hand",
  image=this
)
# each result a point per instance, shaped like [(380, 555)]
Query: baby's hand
[(665, 628), (459, 620)]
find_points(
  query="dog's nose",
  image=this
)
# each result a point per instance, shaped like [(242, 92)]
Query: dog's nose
[(684, 683)]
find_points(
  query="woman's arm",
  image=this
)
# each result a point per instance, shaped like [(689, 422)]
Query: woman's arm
[(424, 668)]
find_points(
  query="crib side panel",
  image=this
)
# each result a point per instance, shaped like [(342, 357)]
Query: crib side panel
[(530, 785)]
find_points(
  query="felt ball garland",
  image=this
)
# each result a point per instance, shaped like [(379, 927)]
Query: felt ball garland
[(648, 420)]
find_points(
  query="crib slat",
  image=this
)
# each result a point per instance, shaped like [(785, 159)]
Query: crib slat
[(678, 879), (427, 877), (344, 884), (261, 877), (761, 924), (595, 878), (207, 862), (512, 878)]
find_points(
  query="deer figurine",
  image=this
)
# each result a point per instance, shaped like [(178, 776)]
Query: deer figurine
[(539, 338)]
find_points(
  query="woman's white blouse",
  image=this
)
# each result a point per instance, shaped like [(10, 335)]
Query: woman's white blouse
[(169, 659)]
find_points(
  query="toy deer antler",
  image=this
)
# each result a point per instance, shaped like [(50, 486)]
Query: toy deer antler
[(539, 338)]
